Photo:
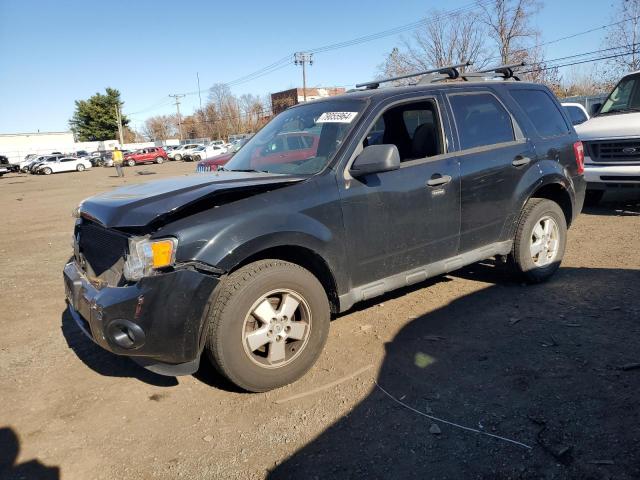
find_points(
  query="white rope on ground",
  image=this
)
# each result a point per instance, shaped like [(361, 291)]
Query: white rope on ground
[(399, 402)]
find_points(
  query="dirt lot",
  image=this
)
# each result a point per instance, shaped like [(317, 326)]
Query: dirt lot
[(555, 367)]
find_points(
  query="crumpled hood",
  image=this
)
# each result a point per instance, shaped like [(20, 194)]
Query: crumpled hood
[(620, 125), (139, 205)]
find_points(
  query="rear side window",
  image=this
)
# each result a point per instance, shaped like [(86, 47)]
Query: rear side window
[(542, 111), (481, 120)]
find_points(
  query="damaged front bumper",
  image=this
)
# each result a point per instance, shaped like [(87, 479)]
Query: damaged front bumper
[(158, 321)]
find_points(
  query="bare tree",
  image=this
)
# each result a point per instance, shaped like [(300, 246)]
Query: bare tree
[(509, 25), (625, 37), (445, 40), (160, 127)]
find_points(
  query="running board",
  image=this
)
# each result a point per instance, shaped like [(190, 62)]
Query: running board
[(420, 274)]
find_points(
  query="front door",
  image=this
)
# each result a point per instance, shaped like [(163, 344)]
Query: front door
[(407, 218)]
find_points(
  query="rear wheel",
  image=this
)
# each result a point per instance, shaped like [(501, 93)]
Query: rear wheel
[(80, 167), (159, 160), (540, 240), (593, 197), (267, 325), (131, 163)]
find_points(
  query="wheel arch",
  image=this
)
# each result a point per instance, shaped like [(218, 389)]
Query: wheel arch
[(558, 193), (303, 256)]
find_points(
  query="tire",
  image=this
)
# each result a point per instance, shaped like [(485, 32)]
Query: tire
[(593, 197), (80, 168), (131, 163), (177, 158), (159, 160), (47, 171), (230, 321), (536, 215)]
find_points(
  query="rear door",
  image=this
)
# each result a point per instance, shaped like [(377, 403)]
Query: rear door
[(494, 155), (400, 220)]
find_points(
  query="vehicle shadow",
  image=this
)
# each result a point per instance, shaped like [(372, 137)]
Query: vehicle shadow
[(106, 363), (620, 204), (31, 470), (552, 366)]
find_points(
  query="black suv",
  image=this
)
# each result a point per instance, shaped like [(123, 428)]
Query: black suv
[(394, 186)]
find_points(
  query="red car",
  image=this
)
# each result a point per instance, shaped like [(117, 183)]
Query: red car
[(286, 147), (146, 155)]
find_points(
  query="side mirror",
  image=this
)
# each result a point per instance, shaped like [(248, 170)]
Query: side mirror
[(595, 108), (376, 159)]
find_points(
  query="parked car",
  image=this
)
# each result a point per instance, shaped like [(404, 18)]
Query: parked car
[(204, 153), (63, 164), (180, 152), (5, 164), (146, 155), (577, 113), (212, 164), (247, 266), (33, 166), (612, 141), (81, 154)]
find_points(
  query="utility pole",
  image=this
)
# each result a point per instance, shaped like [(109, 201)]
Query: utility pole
[(302, 58), (119, 120), (177, 97)]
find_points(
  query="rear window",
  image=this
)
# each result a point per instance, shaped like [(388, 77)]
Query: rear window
[(542, 111), (481, 120)]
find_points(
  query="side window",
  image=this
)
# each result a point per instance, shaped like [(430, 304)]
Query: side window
[(481, 120), (413, 127), (542, 111), (67, 159)]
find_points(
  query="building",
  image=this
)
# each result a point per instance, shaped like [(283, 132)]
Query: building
[(16, 146), (282, 100)]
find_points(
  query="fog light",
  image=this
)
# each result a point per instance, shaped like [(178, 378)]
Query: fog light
[(125, 334)]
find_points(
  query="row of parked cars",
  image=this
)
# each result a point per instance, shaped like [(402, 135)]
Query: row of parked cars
[(56, 162)]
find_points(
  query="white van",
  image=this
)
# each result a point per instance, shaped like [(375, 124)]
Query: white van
[(612, 141)]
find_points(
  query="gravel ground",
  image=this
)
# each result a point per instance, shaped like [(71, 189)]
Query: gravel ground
[(545, 379)]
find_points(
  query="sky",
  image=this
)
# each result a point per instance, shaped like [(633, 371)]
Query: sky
[(55, 52)]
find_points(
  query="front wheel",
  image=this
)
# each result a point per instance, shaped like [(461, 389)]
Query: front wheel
[(540, 240), (267, 325), (47, 171), (131, 163)]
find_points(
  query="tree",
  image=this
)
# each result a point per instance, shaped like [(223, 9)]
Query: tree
[(160, 127), (624, 37), (509, 26), (444, 40), (95, 119)]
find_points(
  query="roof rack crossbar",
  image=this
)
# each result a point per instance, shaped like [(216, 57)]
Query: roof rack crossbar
[(504, 71), (451, 71)]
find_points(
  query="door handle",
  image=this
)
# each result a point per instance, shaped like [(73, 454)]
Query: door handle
[(437, 180), (520, 161)]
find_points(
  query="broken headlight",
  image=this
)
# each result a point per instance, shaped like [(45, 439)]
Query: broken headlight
[(146, 256)]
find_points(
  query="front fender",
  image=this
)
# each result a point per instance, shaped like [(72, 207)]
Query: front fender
[(241, 240)]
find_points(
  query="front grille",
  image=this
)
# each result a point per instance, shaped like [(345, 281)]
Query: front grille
[(100, 247), (624, 151)]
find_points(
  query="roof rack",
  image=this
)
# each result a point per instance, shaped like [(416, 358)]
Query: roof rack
[(503, 71), (450, 71)]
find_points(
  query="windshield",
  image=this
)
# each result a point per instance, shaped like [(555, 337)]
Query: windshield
[(299, 141), (624, 98)]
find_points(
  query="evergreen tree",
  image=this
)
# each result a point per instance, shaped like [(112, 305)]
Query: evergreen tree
[(95, 119)]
